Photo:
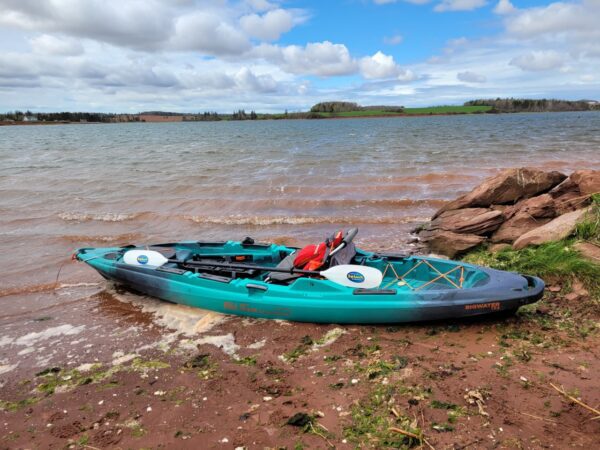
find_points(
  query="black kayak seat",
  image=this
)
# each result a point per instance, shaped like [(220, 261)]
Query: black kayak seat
[(282, 277)]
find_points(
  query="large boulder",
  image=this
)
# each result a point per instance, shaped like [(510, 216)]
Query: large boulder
[(509, 186), (516, 227), (588, 181), (555, 230), (450, 244), (574, 192), (526, 215), (469, 220), (541, 206)]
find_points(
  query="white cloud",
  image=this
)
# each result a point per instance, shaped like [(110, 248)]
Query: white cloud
[(539, 60), (459, 5), (134, 23), (393, 40), (315, 58), (207, 33), (471, 77), (269, 26), (504, 7), (261, 5), (51, 45), (555, 18), (379, 66), (386, 2)]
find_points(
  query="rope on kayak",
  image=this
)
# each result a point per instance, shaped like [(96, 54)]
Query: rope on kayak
[(401, 279)]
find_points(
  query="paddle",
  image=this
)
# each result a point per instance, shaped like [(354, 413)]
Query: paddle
[(346, 275)]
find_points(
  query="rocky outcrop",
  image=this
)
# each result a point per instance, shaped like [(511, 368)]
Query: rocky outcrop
[(479, 221), (521, 206), (451, 244), (555, 230), (588, 181), (525, 216), (508, 186)]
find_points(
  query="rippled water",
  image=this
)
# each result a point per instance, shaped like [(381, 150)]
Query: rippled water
[(69, 186)]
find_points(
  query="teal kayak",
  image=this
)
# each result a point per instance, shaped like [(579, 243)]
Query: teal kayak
[(252, 279)]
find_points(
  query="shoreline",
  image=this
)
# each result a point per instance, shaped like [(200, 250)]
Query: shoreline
[(369, 116)]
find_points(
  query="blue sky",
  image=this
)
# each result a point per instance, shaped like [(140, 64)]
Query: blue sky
[(270, 55)]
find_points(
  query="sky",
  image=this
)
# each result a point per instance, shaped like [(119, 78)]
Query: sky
[(274, 55)]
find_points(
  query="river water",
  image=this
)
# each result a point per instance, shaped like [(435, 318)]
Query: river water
[(69, 186)]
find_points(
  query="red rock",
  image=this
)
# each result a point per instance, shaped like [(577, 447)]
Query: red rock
[(495, 248), (588, 181), (469, 220), (524, 216), (568, 196), (450, 244), (514, 228), (508, 186), (557, 229), (589, 251)]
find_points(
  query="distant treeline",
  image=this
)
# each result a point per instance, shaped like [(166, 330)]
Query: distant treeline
[(20, 116), (322, 110), (511, 105), (338, 107)]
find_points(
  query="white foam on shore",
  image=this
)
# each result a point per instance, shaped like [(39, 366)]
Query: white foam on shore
[(86, 367), (33, 338), (330, 337), (5, 340), (182, 319), (258, 344), (122, 359), (225, 342), (5, 368)]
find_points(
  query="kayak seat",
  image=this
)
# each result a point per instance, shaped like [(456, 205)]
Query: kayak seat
[(183, 255), (282, 277)]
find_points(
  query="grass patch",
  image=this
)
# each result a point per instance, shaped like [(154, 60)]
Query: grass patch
[(443, 405), (431, 110), (589, 230), (448, 110), (13, 406), (553, 261), (306, 344), (372, 420), (247, 361)]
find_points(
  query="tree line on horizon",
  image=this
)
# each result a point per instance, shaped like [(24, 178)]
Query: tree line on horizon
[(511, 105), (317, 111)]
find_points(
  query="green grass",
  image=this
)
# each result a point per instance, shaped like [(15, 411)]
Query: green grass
[(553, 262), (371, 421), (448, 110), (366, 113), (423, 111), (590, 229)]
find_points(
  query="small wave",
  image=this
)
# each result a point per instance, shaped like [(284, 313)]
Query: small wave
[(301, 220), (43, 287), (304, 204), (127, 237), (99, 217)]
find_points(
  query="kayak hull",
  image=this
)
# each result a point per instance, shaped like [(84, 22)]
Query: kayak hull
[(318, 300)]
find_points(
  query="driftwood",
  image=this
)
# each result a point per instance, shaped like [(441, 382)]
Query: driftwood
[(579, 402)]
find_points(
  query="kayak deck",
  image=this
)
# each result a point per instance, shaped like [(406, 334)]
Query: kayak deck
[(413, 287)]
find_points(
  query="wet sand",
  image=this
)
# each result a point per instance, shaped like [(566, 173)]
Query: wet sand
[(116, 370)]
